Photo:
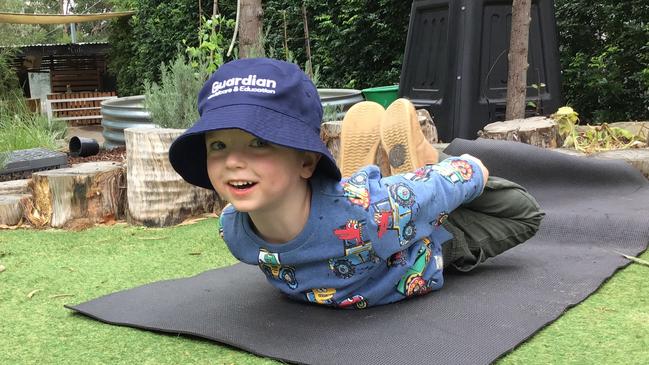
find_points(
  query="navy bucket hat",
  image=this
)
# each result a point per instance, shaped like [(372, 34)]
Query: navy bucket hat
[(273, 100)]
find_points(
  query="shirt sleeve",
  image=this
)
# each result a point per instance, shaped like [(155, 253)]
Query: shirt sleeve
[(408, 207)]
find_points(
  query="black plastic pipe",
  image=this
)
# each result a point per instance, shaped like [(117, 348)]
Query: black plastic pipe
[(83, 147)]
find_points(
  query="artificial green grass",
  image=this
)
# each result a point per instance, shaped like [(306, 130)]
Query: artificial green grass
[(610, 327)]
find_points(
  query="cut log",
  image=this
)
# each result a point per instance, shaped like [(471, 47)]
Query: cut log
[(330, 134), (537, 131), (157, 195), (427, 126), (14, 187), (89, 190), (11, 209), (636, 157)]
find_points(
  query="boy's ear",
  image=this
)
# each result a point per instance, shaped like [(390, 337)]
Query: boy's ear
[(309, 162)]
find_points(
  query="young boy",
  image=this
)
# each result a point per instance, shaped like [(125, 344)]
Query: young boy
[(357, 242)]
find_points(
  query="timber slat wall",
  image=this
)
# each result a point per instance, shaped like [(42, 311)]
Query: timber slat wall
[(83, 109), (75, 80)]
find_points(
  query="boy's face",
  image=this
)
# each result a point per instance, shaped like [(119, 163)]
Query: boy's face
[(255, 175)]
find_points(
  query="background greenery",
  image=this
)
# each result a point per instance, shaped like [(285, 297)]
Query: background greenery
[(604, 44), (610, 327)]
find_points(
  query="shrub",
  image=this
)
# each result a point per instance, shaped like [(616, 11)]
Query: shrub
[(173, 102)]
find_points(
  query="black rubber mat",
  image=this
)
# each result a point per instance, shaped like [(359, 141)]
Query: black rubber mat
[(593, 209)]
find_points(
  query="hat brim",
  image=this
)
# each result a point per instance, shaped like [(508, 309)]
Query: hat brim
[(188, 154)]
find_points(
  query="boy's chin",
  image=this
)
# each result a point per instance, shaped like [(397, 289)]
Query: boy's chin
[(243, 208)]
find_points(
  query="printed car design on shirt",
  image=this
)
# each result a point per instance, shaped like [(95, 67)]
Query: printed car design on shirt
[(412, 282), (321, 296), (270, 265), (395, 213), (356, 191), (358, 301), (357, 251), (454, 170), (422, 174)]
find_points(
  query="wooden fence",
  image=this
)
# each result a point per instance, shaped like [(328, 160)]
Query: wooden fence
[(78, 108)]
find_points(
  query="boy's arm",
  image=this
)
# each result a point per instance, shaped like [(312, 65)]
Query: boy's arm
[(419, 201)]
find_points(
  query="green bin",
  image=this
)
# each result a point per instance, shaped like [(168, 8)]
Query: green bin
[(383, 95)]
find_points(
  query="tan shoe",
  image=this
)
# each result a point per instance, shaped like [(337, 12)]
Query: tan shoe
[(403, 140), (359, 137)]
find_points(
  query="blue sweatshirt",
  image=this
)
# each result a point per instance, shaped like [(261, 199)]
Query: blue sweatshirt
[(368, 240)]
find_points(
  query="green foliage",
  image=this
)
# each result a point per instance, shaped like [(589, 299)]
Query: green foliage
[(359, 45), (21, 129), (212, 45), (604, 48), (8, 79), (591, 139), (152, 36), (173, 102)]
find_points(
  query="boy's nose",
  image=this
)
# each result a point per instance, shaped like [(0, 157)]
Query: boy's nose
[(235, 159)]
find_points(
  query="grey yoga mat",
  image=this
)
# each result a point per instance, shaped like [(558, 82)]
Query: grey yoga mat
[(593, 209)]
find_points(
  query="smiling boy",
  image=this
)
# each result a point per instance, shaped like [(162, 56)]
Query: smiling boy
[(355, 242)]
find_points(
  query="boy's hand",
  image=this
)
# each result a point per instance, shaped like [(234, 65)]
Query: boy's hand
[(485, 172)]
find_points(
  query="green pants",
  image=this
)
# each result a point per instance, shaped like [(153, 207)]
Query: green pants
[(504, 216)]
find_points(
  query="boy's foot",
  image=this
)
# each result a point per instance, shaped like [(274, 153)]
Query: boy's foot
[(403, 140), (359, 137)]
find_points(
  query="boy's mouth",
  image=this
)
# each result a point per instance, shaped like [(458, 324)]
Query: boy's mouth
[(241, 185)]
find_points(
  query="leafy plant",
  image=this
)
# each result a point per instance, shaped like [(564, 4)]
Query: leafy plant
[(594, 138), (210, 50), (172, 102)]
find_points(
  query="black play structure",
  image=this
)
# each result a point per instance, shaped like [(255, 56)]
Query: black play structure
[(595, 211), (455, 62)]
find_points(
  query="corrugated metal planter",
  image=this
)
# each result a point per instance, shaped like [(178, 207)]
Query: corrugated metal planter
[(121, 113), (338, 101)]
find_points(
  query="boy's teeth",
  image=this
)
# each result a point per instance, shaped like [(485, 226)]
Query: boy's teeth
[(240, 183)]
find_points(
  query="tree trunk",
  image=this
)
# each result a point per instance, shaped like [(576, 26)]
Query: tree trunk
[(518, 46), (537, 131), (157, 195), (251, 29), (89, 191)]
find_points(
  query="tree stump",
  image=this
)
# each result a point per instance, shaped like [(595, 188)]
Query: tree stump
[(537, 131), (87, 191), (636, 157), (12, 209), (157, 195), (14, 187), (330, 134)]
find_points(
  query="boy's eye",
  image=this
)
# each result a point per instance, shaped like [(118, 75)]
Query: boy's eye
[(217, 146), (258, 142)]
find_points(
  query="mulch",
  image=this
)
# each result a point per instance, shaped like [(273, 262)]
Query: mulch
[(115, 154)]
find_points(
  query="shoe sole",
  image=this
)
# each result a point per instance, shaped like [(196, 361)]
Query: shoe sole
[(360, 136), (397, 130)]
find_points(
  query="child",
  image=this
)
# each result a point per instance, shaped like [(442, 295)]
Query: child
[(357, 242)]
